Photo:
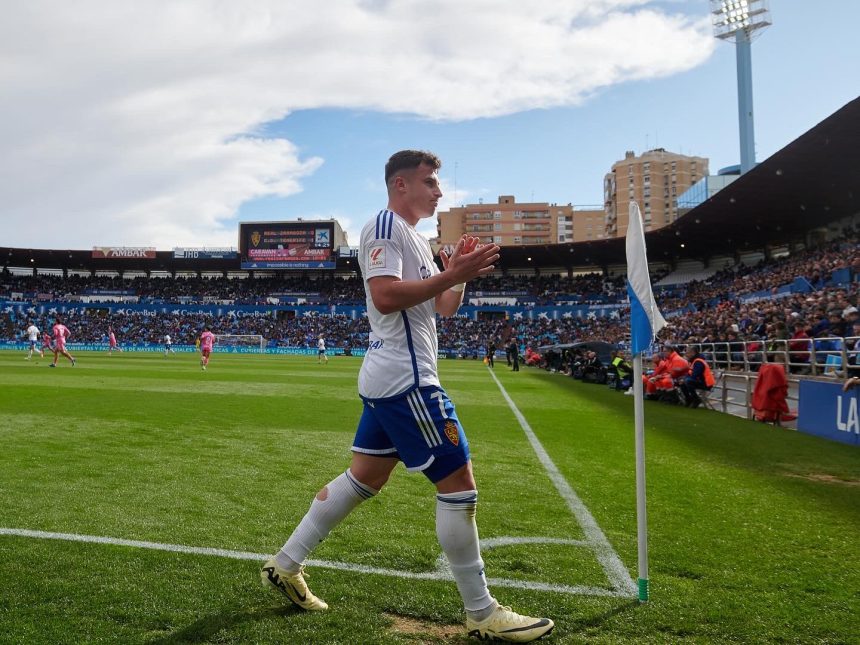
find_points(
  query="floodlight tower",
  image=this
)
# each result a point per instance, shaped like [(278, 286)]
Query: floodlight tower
[(741, 21)]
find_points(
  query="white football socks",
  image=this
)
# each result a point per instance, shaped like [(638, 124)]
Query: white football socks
[(344, 493), (458, 537)]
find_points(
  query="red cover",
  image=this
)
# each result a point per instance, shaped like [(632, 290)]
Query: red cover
[(771, 389)]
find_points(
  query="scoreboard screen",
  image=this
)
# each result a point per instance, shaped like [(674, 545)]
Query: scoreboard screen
[(287, 245)]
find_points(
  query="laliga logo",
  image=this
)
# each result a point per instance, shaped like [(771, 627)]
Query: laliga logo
[(852, 422), (374, 254)]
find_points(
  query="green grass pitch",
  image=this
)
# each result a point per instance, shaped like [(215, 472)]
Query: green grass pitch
[(754, 530)]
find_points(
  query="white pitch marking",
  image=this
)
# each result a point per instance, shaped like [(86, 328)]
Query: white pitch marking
[(325, 564), (615, 570)]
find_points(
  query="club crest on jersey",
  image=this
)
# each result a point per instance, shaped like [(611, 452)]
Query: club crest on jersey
[(377, 257), (425, 272), (452, 432)]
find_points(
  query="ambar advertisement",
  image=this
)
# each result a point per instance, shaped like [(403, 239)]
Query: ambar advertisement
[(286, 245)]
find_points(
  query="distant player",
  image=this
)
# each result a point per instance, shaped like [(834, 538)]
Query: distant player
[(112, 345), (61, 333), (46, 344), (168, 345), (207, 340), (321, 351), (33, 338)]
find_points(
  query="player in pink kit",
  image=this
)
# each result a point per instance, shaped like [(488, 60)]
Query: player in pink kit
[(61, 333), (207, 339), (113, 347), (46, 344)]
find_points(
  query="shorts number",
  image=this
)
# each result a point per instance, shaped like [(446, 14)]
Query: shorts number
[(441, 397)]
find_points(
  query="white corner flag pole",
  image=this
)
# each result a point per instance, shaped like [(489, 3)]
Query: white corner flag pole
[(645, 322), (641, 509)]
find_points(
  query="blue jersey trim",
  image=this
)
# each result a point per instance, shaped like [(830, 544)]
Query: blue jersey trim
[(409, 344), (384, 224)]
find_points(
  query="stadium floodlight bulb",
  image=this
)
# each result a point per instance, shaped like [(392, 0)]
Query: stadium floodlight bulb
[(729, 17)]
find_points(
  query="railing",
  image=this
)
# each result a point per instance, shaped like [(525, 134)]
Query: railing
[(736, 365), (732, 394), (831, 356)]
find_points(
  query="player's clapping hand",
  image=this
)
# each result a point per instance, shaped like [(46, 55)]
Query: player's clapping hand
[(470, 259)]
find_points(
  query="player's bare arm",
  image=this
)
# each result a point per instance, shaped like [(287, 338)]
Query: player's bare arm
[(390, 294)]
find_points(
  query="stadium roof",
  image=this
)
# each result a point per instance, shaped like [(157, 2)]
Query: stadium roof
[(811, 182)]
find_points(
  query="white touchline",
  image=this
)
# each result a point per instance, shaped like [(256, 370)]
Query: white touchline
[(441, 572), (615, 570)]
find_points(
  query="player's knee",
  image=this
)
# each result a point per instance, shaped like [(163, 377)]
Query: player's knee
[(373, 480), (460, 480)]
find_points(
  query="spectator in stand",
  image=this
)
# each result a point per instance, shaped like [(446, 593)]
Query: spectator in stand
[(798, 349), (838, 327), (821, 327)]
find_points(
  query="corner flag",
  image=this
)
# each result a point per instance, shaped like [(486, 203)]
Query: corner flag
[(645, 322), (645, 318)]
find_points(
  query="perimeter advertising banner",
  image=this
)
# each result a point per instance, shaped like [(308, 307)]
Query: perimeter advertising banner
[(826, 411), (287, 245), (204, 253), (147, 253)]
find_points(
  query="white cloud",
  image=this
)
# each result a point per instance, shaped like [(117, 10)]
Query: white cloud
[(139, 122)]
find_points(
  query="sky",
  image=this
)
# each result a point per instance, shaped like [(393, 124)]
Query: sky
[(165, 124)]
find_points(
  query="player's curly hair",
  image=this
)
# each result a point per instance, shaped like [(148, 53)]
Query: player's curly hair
[(409, 160)]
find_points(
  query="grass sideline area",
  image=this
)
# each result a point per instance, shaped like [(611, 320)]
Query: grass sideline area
[(753, 529)]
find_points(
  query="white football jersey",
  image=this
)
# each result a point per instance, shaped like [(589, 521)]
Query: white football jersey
[(321, 345), (33, 333), (167, 339), (403, 345)]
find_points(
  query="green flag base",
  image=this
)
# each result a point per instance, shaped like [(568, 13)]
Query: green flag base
[(643, 589)]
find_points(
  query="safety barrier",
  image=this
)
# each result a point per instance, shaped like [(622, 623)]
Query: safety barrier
[(830, 356), (736, 366)]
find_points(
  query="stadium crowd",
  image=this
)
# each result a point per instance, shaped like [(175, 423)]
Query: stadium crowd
[(721, 309)]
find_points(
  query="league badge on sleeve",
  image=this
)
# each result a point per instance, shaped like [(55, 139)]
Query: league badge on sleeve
[(376, 257)]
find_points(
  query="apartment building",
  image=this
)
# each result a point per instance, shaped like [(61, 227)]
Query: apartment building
[(512, 223), (654, 180)]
